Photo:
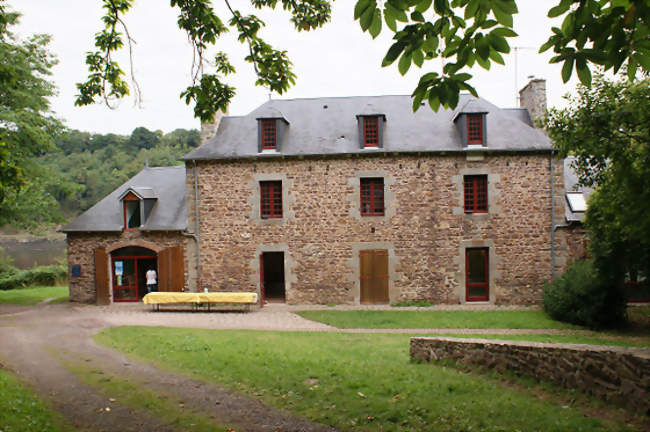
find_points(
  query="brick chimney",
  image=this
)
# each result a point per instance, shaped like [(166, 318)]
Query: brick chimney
[(209, 129), (533, 98)]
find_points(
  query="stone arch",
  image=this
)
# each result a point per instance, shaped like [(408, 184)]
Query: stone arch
[(135, 242)]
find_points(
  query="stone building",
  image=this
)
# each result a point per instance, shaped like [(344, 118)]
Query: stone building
[(345, 200)]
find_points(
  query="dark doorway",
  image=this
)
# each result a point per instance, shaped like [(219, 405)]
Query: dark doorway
[(273, 271), (128, 268), (477, 278)]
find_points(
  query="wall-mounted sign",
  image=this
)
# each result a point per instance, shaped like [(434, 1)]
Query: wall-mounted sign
[(75, 270), (119, 268)]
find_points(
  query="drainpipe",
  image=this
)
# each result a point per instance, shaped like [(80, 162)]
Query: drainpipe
[(196, 235), (550, 159)]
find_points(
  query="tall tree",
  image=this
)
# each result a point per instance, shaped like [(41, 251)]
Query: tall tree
[(607, 128), (608, 33), (26, 123)]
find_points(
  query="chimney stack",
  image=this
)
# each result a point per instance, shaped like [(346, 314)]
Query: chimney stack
[(533, 98), (209, 129)]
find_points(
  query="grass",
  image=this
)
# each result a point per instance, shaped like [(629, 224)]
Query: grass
[(587, 339), (361, 382), (411, 303), (527, 319), (167, 410), (21, 411), (34, 295)]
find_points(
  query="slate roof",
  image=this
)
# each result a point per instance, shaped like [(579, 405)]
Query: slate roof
[(167, 184), (571, 185), (328, 126)]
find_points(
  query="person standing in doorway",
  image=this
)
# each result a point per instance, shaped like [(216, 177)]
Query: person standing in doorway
[(152, 284)]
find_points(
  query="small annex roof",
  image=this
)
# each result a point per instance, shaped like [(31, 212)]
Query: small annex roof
[(329, 126), (165, 184), (576, 196)]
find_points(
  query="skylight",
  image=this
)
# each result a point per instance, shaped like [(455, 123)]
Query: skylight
[(576, 201)]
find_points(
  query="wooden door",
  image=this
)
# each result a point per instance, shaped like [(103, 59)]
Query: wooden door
[(164, 270), (101, 277), (477, 275), (374, 276)]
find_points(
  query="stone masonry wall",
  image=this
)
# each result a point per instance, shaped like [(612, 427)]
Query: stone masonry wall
[(616, 374), (81, 251), (425, 231)]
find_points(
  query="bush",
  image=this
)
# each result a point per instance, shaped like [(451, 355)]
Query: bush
[(582, 296), (43, 275)]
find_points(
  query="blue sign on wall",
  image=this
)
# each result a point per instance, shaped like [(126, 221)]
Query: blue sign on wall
[(75, 270)]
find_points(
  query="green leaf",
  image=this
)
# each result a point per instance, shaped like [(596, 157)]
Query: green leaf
[(360, 8), (430, 44), (496, 57), (631, 69), (583, 71), (423, 5), (434, 101), (389, 18), (503, 18), (643, 60), (375, 27), (404, 63), (418, 57), (471, 9), (393, 52), (483, 48), (549, 43), (417, 16), (499, 43), (366, 18), (567, 69), (484, 63), (559, 9), (503, 32)]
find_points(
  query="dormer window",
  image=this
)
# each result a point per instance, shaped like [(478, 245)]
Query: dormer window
[(131, 206), (269, 135), (371, 129), (475, 129), (370, 132)]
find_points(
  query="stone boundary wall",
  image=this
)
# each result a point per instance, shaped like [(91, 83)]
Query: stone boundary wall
[(615, 374)]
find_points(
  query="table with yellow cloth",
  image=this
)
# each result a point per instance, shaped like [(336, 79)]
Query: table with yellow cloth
[(196, 298)]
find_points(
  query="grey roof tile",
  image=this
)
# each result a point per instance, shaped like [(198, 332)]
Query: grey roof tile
[(322, 126), (167, 184)]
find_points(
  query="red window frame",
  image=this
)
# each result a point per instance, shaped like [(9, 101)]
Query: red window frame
[(475, 193), (269, 135), (475, 129), (371, 132), (486, 283), (271, 199), (372, 196), (129, 198)]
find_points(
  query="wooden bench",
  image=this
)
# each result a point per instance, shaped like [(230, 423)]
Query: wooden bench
[(231, 300)]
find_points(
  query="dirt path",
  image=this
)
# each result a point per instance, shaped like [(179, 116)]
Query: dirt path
[(37, 342)]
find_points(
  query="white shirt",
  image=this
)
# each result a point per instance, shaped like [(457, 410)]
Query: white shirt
[(151, 277)]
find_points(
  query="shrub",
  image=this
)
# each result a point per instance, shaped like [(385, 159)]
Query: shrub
[(43, 275), (582, 296), (407, 303)]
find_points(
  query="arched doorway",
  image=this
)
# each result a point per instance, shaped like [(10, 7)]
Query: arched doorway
[(128, 268)]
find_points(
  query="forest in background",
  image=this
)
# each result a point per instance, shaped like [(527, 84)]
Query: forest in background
[(85, 167)]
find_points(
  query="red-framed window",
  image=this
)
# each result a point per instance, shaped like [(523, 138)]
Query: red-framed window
[(271, 199), (372, 196), (131, 210), (476, 198), (269, 135), (477, 276), (475, 129), (370, 132)]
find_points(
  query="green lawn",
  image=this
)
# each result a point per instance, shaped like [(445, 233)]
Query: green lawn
[(21, 411), (33, 295), (527, 319), (362, 382), (588, 339)]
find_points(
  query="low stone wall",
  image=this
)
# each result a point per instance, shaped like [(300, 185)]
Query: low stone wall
[(615, 374)]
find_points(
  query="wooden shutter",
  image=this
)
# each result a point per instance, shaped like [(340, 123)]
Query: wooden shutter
[(373, 276), (101, 277), (164, 270), (380, 279), (262, 288), (177, 267)]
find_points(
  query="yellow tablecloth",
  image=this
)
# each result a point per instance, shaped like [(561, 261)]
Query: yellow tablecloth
[(190, 297)]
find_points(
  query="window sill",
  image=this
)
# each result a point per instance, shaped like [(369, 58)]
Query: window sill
[(474, 147)]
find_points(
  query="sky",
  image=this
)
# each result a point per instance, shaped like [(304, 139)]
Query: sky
[(336, 60)]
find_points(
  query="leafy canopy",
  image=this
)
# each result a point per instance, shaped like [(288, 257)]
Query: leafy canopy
[(462, 33), (26, 124), (607, 128)]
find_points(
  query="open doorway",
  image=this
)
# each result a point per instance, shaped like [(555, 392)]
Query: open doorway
[(128, 269), (272, 272)]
